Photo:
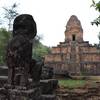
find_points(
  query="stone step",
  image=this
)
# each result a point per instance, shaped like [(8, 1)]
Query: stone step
[(48, 86), (3, 71), (3, 75), (49, 97), (3, 80)]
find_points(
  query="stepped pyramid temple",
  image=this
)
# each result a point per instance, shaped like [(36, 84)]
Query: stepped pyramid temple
[(74, 55)]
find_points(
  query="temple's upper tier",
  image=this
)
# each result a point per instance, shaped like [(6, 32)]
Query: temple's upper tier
[(74, 31)]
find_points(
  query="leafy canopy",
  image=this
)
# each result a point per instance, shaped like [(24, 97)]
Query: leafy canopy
[(4, 38), (97, 8)]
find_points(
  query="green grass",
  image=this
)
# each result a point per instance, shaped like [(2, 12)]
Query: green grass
[(69, 83)]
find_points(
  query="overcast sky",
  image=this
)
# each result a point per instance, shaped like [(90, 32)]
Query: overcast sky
[(51, 17)]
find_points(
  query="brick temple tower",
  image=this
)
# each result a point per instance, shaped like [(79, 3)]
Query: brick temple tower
[(74, 55), (74, 31)]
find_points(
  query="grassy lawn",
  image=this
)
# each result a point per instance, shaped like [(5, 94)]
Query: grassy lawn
[(72, 83)]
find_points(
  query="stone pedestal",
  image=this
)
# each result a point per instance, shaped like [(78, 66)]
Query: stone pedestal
[(30, 94), (19, 94), (48, 97), (3, 94), (48, 86)]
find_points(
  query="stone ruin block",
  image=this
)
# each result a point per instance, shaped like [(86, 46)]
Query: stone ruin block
[(48, 97), (20, 63), (48, 86), (21, 66)]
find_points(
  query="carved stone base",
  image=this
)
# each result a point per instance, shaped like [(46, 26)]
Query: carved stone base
[(48, 97), (16, 94), (3, 94), (48, 86), (31, 94)]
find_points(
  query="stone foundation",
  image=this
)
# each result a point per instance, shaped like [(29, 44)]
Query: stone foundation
[(48, 86), (92, 93), (49, 97), (17, 94), (74, 55)]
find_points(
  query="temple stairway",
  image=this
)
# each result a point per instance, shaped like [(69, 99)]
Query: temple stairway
[(3, 75), (73, 69)]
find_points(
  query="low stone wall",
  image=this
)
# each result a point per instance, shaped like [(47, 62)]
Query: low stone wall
[(91, 93), (3, 80)]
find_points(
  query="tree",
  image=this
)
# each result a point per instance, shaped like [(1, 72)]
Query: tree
[(99, 39), (97, 8), (10, 14), (4, 38), (39, 50), (0, 21), (97, 20)]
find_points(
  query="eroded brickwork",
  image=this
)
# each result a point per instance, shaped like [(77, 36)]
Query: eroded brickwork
[(74, 55)]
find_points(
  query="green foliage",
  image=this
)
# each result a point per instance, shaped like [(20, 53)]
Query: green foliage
[(4, 37), (97, 20), (99, 35), (39, 51), (99, 40), (97, 8), (96, 5)]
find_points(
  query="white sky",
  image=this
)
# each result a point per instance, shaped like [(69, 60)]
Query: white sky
[(51, 17)]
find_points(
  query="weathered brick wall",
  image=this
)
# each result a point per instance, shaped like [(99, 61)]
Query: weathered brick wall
[(90, 57), (90, 68), (85, 93), (53, 58), (89, 49), (74, 53), (55, 50)]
